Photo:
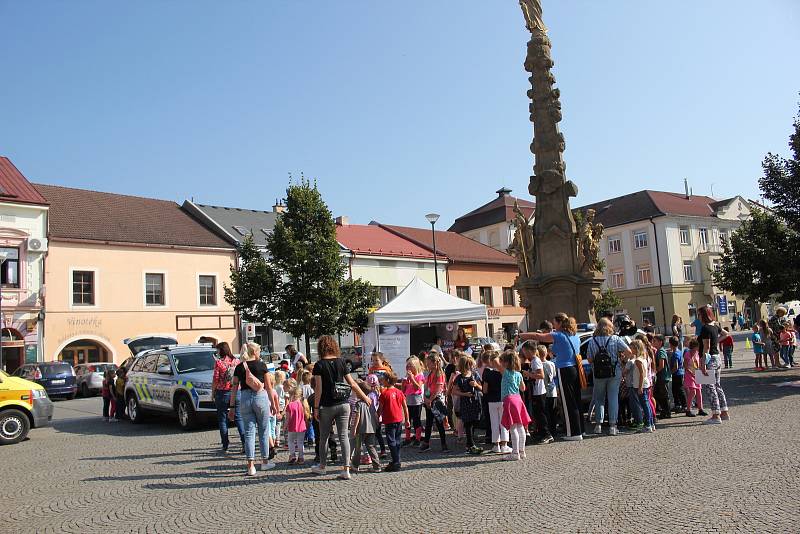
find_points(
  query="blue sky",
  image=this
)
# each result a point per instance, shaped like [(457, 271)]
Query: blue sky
[(396, 108)]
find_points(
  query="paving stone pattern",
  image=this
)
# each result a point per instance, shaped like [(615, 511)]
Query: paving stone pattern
[(84, 475)]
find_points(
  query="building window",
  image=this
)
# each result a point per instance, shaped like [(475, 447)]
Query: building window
[(463, 292), (704, 237), (723, 237), (9, 275), (83, 288), (649, 314), (208, 290), (614, 245), (491, 330), (639, 239), (486, 296), (688, 271), (685, 236), (508, 296), (154, 289), (716, 264), (692, 309), (387, 294), (241, 230), (644, 276), (618, 279)]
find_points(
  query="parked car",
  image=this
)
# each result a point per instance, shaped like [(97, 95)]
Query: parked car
[(89, 377), (353, 358), (23, 405), (176, 379), (57, 378), (477, 344)]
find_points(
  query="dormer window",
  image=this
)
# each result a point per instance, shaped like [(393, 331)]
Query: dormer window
[(242, 230)]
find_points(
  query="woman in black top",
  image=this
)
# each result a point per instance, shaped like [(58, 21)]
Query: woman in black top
[(255, 406), (710, 336), (492, 379), (330, 401)]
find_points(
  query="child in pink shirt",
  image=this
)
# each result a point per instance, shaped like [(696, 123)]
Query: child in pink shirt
[(412, 388), (297, 413), (691, 362)]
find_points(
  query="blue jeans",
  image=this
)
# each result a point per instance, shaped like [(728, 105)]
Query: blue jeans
[(222, 400), (643, 401), (787, 354), (394, 434), (255, 412), (606, 388)]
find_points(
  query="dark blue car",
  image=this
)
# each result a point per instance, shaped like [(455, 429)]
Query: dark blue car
[(57, 378)]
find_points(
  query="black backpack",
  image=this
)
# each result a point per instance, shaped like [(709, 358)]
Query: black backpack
[(602, 365)]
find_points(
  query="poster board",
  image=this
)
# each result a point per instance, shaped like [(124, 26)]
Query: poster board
[(394, 341)]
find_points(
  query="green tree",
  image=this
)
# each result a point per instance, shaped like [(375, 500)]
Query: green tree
[(608, 301), (762, 259), (252, 288), (781, 181), (312, 296)]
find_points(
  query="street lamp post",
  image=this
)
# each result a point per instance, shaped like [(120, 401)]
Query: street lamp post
[(432, 218)]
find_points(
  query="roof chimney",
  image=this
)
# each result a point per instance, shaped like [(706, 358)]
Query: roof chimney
[(279, 206), (686, 187), (503, 192), (342, 220)]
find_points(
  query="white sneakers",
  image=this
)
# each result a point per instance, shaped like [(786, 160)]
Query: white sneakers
[(511, 457), (344, 475), (496, 449), (598, 429), (251, 471), (612, 430), (266, 466), (506, 450)]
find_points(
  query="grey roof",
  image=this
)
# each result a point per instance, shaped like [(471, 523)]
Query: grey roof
[(234, 224)]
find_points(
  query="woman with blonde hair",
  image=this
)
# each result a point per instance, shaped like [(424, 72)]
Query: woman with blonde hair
[(565, 345), (256, 405), (604, 352)]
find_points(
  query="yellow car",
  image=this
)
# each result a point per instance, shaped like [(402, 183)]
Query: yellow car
[(23, 405)]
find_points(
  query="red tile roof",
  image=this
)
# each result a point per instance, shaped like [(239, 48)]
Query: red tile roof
[(14, 187), (456, 247), (96, 216), (642, 205), (498, 210), (376, 241)]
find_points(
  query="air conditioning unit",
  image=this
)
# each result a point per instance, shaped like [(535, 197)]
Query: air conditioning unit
[(36, 244)]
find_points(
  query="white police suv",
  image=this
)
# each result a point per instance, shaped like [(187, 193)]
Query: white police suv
[(174, 379)]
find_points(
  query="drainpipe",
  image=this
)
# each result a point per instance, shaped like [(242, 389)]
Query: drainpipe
[(660, 280)]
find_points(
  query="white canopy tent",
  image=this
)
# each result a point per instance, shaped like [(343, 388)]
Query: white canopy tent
[(421, 303)]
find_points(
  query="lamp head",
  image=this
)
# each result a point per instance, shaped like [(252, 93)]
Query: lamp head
[(432, 217)]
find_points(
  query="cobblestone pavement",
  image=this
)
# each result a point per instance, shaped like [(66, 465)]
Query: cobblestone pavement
[(84, 475)]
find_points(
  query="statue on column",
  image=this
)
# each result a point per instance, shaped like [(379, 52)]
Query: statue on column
[(532, 11), (590, 235), (522, 247)]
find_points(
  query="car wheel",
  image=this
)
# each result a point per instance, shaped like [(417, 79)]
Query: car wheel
[(85, 390), (187, 417), (135, 412), (14, 426)]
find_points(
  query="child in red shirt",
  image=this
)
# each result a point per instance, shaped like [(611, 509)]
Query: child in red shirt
[(393, 411)]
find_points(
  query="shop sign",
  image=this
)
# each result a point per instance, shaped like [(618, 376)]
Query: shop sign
[(494, 313)]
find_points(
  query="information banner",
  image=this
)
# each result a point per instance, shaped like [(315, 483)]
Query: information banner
[(395, 344)]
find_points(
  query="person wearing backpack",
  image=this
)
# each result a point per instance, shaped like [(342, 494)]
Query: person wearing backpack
[(604, 351), (221, 393)]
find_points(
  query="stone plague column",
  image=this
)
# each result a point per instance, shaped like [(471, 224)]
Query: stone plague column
[(563, 272)]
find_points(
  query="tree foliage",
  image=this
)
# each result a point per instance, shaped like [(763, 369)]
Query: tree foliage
[(762, 259), (253, 285), (781, 181), (302, 288), (608, 301)]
